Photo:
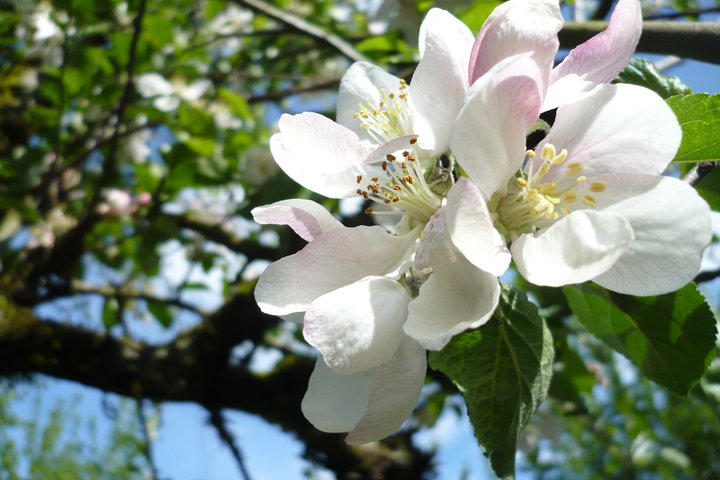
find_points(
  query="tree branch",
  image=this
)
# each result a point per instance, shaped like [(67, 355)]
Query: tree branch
[(195, 368), (707, 276), (698, 172), (687, 13), (218, 421), (699, 40), (281, 94), (303, 26)]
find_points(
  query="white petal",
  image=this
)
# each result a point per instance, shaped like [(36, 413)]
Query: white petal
[(514, 27), (196, 89), (435, 246), (672, 228), (394, 392), (601, 58), (489, 137), (455, 297), (358, 326), (152, 84), (166, 103), (334, 259), (472, 231), (318, 153), (361, 84), (606, 134), (335, 403), (440, 81), (307, 218), (574, 249)]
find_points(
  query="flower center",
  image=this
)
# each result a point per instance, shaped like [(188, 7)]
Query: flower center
[(390, 118), (532, 203), (403, 186)]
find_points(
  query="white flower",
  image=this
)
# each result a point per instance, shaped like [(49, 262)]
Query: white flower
[(167, 96), (590, 204)]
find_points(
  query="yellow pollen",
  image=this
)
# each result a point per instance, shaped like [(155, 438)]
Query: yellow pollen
[(565, 211), (590, 201), (548, 152), (597, 186), (560, 157), (573, 169), (368, 211), (570, 196), (358, 179), (530, 154), (390, 157), (413, 140), (521, 182)]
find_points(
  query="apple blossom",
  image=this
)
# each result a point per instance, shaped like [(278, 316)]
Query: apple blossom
[(590, 203)]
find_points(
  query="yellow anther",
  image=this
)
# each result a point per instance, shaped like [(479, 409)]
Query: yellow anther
[(358, 179), (590, 201), (560, 157), (565, 211), (548, 152), (530, 154), (597, 186), (521, 182), (570, 196), (368, 211), (573, 169)]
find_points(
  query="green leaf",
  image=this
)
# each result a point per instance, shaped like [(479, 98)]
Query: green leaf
[(503, 370), (110, 312), (671, 337), (475, 16), (709, 188), (161, 312), (699, 117), (642, 72), (237, 103), (203, 146)]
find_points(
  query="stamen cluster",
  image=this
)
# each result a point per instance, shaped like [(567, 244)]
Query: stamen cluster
[(531, 203), (390, 118)]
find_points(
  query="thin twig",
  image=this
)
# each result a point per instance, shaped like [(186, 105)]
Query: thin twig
[(147, 444), (217, 420), (698, 172), (303, 26), (687, 13), (281, 94), (707, 276)]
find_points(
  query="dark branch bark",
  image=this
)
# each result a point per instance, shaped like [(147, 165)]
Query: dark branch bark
[(698, 172), (281, 94), (303, 26), (195, 368), (700, 40), (218, 421)]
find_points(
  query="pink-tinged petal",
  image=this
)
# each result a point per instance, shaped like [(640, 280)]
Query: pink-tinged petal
[(435, 246), (515, 27), (574, 249), (336, 403), (455, 297), (445, 44), (358, 326), (605, 133), (472, 231), (362, 84), (307, 218), (336, 258), (601, 58), (489, 136), (672, 228), (393, 394)]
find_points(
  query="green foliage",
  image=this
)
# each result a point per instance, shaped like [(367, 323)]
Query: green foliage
[(65, 445), (670, 338), (699, 117), (503, 370), (642, 72), (709, 188)]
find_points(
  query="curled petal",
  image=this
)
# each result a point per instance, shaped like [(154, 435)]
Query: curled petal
[(393, 394), (672, 228), (514, 27), (600, 59), (307, 218), (435, 247), (358, 326), (472, 231), (574, 249), (455, 297), (489, 136), (334, 259)]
